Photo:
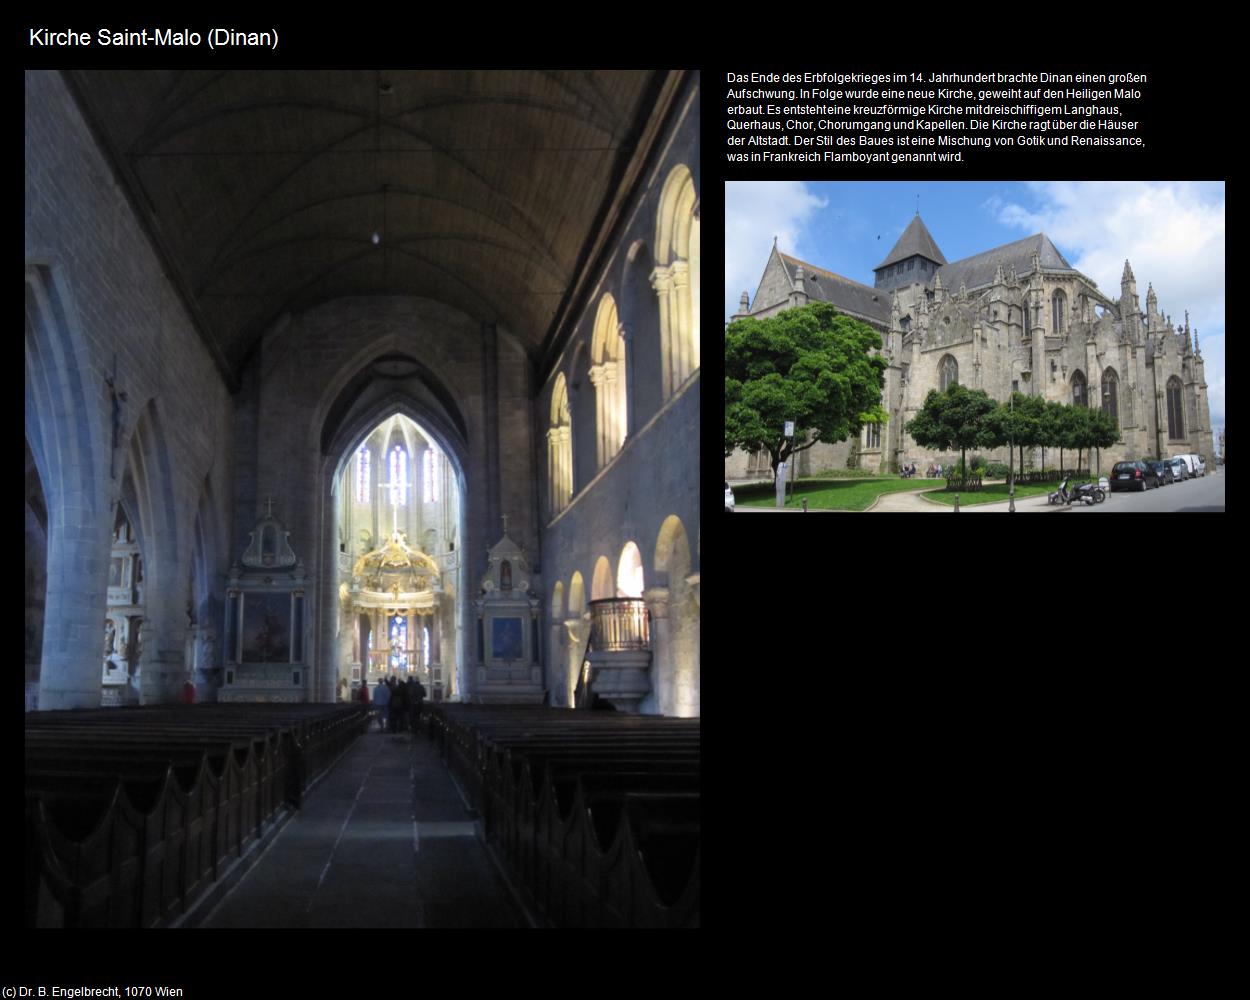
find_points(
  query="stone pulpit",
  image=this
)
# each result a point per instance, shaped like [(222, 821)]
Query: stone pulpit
[(266, 620), (506, 647)]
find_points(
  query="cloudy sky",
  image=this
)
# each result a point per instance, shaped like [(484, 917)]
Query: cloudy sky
[(1171, 232)]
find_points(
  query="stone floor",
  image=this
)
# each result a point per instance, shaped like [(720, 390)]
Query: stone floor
[(384, 840)]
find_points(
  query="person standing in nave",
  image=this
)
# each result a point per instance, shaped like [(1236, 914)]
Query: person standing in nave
[(399, 707), (381, 699), (416, 694)]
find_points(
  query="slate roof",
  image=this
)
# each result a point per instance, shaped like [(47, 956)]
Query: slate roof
[(978, 270), (916, 239), (848, 295)]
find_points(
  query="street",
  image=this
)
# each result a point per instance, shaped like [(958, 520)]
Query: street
[(1204, 493)]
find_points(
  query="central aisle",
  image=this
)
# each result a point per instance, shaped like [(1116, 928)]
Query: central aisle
[(383, 841)]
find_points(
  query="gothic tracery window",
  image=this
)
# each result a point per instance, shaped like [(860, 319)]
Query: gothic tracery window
[(948, 372), (399, 476), (1058, 304), (1080, 395), (399, 643), (1110, 394), (362, 474), (1176, 416), (429, 477)]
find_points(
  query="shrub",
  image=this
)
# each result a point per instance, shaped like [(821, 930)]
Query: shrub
[(996, 470)]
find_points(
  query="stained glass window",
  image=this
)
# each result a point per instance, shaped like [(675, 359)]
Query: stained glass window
[(429, 477), (362, 474), (399, 476), (399, 643)]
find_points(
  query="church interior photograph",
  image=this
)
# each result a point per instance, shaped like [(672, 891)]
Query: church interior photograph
[(362, 504)]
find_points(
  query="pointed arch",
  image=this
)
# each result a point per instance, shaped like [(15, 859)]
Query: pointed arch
[(1176, 408), (559, 449), (677, 659), (629, 574), (607, 355), (149, 467), (1058, 311), (602, 585), (676, 277), (948, 372), (1080, 388), (577, 595), (1111, 394)]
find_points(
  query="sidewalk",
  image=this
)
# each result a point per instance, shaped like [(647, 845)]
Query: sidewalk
[(915, 503)]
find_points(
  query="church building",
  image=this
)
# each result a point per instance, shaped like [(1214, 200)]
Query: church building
[(1017, 316), (333, 376)]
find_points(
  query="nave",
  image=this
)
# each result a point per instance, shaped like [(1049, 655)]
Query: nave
[(301, 816), (384, 841)]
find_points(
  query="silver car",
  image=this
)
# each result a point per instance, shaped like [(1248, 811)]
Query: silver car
[(729, 499), (1180, 471)]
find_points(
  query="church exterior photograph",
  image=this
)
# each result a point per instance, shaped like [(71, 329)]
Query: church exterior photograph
[(1014, 315)]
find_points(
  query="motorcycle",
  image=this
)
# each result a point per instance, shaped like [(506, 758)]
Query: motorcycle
[(1065, 496), (1091, 490)]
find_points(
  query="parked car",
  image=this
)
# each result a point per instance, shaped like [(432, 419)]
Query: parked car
[(1190, 464), (1201, 462), (729, 499), (1164, 471), (1180, 469), (1133, 476)]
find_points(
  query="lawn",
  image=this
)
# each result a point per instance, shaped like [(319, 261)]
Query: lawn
[(853, 494)]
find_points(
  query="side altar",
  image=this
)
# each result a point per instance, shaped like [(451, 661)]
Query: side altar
[(266, 620), (508, 670)]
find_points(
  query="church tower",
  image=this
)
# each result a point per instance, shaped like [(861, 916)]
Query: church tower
[(913, 260)]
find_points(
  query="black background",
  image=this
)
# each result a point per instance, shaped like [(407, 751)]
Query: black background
[(925, 753)]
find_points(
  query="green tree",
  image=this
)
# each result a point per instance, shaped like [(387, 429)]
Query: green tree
[(1012, 424), (1082, 424), (957, 418), (1055, 428), (811, 365), (1104, 431)]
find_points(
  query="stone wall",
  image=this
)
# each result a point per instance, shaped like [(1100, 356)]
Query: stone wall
[(648, 493), (98, 302)]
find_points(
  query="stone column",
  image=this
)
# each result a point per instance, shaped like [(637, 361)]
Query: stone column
[(601, 447), (663, 667), (682, 361), (662, 282), (577, 630), (557, 446), (557, 655), (614, 399)]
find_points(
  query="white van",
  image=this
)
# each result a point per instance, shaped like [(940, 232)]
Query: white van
[(1200, 465), (1193, 463)]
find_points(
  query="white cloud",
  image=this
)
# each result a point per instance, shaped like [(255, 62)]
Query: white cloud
[(1172, 234), (755, 212)]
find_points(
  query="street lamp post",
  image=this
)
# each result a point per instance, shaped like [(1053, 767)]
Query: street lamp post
[(1106, 407), (1011, 457)]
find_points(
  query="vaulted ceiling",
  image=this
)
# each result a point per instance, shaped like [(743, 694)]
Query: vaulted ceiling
[(263, 190)]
